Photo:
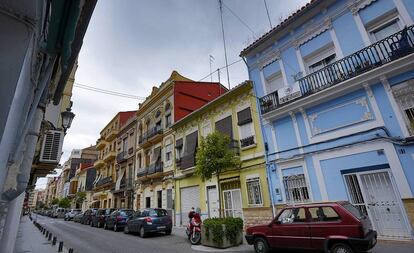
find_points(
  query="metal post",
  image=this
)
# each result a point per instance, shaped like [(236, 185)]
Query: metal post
[(60, 249), (54, 240), (50, 237), (70, 250)]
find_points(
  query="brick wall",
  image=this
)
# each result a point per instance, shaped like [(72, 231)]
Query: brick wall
[(257, 216)]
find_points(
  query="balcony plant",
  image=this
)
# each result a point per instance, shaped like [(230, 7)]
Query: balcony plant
[(214, 155), (222, 232)]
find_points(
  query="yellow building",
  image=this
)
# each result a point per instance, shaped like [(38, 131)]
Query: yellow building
[(245, 191), (106, 164)]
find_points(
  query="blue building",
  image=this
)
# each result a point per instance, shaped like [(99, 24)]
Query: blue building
[(335, 84)]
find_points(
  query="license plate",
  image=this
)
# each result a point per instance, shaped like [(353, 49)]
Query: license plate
[(161, 227)]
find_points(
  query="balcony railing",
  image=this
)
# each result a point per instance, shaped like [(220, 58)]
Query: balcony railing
[(127, 183), (121, 157), (155, 167), (247, 142), (130, 150), (142, 172), (384, 51), (187, 161), (153, 132), (103, 181)]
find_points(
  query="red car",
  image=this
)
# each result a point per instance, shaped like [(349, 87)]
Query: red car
[(336, 227)]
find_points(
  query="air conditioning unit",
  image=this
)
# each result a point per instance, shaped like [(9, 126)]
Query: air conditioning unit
[(52, 147)]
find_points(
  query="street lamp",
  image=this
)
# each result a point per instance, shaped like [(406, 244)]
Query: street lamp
[(67, 117)]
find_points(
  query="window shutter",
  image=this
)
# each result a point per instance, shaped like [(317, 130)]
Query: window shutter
[(191, 142), (157, 154), (179, 143), (244, 117), (52, 147), (224, 126)]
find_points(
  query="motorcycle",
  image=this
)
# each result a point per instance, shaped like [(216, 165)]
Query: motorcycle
[(193, 230)]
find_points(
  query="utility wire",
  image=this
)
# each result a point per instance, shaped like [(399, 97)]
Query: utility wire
[(108, 92), (241, 20), (268, 16), (239, 60), (224, 41)]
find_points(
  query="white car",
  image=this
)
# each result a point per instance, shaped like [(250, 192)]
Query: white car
[(69, 215)]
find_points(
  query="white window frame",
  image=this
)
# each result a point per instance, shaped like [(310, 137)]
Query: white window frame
[(319, 55), (298, 186), (383, 21), (254, 180), (272, 77)]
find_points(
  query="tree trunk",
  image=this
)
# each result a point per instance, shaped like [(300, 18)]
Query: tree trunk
[(219, 193)]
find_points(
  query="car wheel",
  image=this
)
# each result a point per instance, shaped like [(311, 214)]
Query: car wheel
[(341, 248), (115, 228), (260, 245), (168, 232), (142, 232), (126, 229)]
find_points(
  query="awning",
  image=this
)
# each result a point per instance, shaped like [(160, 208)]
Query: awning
[(120, 176)]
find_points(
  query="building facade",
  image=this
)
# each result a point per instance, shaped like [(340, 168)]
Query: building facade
[(173, 100), (106, 173), (334, 83), (244, 191)]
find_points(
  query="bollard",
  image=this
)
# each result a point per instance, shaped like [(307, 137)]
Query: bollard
[(44, 231), (60, 246), (50, 237), (47, 233), (70, 250), (54, 240)]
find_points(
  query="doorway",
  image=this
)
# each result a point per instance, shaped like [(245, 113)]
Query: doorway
[(212, 201)]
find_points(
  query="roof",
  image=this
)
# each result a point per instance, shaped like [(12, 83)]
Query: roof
[(211, 103), (279, 27), (125, 116)]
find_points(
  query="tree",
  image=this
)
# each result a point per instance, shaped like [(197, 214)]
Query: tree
[(80, 197), (55, 201), (64, 202), (213, 156)]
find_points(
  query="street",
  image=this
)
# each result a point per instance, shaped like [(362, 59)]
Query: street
[(86, 239)]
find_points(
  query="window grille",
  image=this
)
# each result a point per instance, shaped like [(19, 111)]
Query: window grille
[(296, 189), (254, 192)]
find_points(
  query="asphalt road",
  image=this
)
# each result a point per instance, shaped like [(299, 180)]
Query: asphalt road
[(86, 239)]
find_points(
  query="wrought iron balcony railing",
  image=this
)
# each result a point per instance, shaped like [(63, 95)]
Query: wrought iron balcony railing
[(384, 51), (103, 181), (155, 167), (121, 157), (247, 141)]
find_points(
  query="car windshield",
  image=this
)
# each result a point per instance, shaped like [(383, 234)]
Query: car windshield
[(158, 213), (76, 211), (352, 209), (126, 212)]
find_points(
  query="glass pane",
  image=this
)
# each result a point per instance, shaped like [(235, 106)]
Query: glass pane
[(386, 30)]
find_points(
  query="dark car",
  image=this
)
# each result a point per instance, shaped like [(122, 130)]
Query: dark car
[(149, 221), (78, 217), (87, 216), (330, 227), (117, 219), (98, 219)]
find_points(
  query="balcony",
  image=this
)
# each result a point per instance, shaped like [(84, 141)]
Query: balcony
[(109, 156), (111, 134), (187, 161), (104, 182), (100, 144), (142, 172), (154, 169), (99, 163), (130, 151), (121, 157), (382, 52), (152, 136), (127, 184), (246, 142)]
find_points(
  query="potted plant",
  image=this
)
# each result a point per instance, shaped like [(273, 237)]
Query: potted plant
[(222, 232)]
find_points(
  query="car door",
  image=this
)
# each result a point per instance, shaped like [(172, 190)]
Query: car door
[(133, 222), (111, 220), (291, 229), (324, 221)]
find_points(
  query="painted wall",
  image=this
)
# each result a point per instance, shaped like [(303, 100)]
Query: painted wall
[(344, 26), (375, 9)]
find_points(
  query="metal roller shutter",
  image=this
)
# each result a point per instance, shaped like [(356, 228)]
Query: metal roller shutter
[(189, 199)]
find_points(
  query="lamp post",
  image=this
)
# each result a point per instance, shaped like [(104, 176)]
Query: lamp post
[(67, 117)]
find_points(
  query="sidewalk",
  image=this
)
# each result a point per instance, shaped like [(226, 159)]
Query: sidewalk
[(29, 239)]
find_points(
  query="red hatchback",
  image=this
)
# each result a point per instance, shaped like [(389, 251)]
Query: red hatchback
[(336, 227)]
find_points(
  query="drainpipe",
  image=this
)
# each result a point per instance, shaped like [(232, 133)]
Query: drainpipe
[(268, 176)]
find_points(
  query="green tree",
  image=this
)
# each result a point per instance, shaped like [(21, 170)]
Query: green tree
[(214, 155), (64, 203), (80, 197), (55, 201)]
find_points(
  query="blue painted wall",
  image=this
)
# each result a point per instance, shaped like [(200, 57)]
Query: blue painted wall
[(409, 5), (290, 63), (302, 128), (292, 171), (331, 170), (344, 26), (376, 9), (270, 69), (316, 43), (285, 135), (401, 78), (313, 182), (407, 163), (254, 75)]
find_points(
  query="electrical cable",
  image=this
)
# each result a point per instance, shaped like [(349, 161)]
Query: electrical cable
[(220, 69), (108, 92), (241, 20)]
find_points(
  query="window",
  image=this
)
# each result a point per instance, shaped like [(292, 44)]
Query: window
[(292, 215), (169, 199), (159, 199), (158, 125), (168, 152), (322, 63), (403, 94), (168, 120), (295, 188), (245, 123), (320, 58), (139, 162), (179, 148), (125, 145), (325, 213), (148, 202), (274, 82), (254, 192), (381, 32)]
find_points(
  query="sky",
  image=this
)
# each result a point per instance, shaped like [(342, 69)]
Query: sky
[(132, 45)]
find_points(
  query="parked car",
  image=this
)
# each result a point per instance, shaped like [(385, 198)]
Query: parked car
[(78, 217), (71, 214), (332, 227), (98, 219), (87, 216), (151, 220), (117, 219)]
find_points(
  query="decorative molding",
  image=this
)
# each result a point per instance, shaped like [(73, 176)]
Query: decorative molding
[(313, 31), (368, 90), (269, 58), (356, 5)]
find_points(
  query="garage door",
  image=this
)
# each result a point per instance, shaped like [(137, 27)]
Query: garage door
[(189, 198)]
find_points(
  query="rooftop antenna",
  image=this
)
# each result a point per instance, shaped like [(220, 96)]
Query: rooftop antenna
[(211, 59), (224, 41), (268, 16)]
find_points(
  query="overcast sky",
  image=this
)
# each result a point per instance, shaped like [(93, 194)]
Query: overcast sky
[(132, 45)]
